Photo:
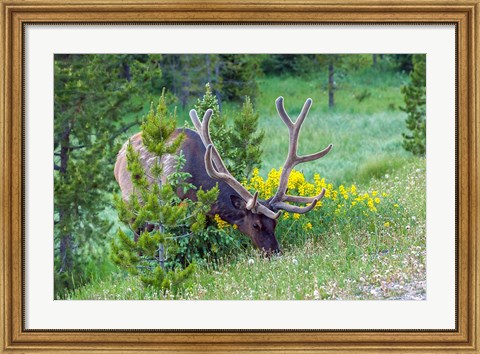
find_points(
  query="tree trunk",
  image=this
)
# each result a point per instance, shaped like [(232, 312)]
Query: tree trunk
[(66, 258), (331, 84), (126, 72), (66, 240), (161, 256), (374, 60)]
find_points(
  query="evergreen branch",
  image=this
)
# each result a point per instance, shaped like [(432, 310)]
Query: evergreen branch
[(178, 237), (123, 130)]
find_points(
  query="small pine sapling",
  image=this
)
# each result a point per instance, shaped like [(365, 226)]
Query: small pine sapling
[(246, 141), (239, 145), (218, 129), (154, 213)]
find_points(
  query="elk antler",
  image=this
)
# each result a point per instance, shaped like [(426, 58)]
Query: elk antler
[(280, 199), (216, 168)]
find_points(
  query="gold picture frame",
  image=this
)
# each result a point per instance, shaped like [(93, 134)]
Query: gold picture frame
[(463, 14)]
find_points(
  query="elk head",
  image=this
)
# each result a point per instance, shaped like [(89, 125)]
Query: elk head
[(258, 218)]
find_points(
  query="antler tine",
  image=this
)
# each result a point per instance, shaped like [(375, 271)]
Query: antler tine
[(303, 114), (202, 129), (199, 124), (280, 197), (252, 202), (296, 209), (226, 177), (299, 199), (195, 120), (282, 112), (315, 156), (267, 212)]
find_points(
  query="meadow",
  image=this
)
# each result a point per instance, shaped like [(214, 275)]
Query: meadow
[(366, 241)]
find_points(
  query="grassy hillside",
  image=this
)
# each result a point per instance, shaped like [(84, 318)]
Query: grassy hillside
[(384, 263), (382, 256)]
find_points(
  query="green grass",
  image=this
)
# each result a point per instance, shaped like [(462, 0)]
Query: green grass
[(361, 132), (385, 263), (357, 139)]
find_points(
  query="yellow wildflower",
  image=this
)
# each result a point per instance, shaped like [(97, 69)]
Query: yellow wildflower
[(377, 200), (387, 224), (301, 190), (334, 195), (221, 224), (353, 190), (296, 216), (308, 226)]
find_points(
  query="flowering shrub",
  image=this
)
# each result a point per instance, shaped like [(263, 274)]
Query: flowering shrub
[(343, 208)]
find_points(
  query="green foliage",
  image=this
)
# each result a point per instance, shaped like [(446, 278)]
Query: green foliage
[(362, 95), (414, 95), (233, 75), (159, 126), (156, 215), (290, 64), (402, 62), (240, 145), (218, 125), (246, 141), (238, 73), (354, 63), (92, 94), (377, 167)]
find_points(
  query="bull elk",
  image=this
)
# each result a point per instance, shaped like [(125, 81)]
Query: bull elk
[(254, 217)]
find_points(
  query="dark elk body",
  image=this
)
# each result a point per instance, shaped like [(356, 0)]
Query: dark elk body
[(254, 217)]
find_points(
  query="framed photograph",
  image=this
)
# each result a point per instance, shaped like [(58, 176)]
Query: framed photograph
[(186, 210)]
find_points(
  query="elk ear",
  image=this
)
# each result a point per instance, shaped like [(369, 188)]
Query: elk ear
[(238, 202)]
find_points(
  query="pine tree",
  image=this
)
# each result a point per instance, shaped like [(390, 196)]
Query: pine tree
[(158, 127), (246, 141), (414, 95), (218, 126), (238, 73), (155, 214), (239, 145), (93, 94)]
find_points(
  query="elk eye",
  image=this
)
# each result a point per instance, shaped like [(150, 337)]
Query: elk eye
[(255, 226)]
